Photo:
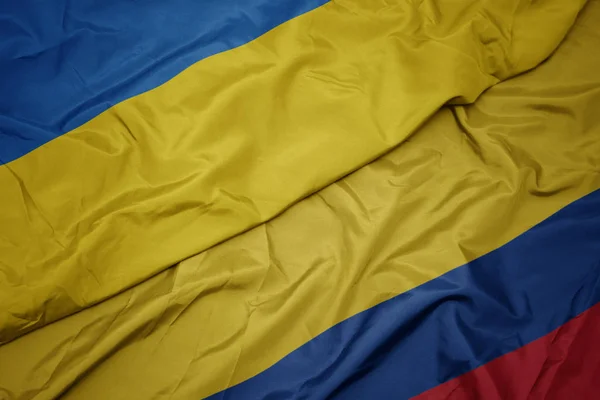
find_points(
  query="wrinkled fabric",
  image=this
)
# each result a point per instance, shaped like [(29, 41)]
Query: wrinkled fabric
[(239, 136), (561, 365), (451, 324), (467, 182), (64, 62)]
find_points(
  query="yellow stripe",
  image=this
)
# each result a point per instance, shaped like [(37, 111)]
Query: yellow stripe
[(467, 182), (237, 137)]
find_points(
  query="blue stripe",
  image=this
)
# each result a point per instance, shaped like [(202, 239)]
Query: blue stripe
[(64, 62), (452, 324)]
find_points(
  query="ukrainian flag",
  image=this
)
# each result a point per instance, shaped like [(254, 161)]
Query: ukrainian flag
[(308, 199)]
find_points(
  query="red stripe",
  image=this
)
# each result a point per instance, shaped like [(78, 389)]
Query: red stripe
[(565, 364)]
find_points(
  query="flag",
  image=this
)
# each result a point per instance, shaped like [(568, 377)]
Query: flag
[(177, 220)]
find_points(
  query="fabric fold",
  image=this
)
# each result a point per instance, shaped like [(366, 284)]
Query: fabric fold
[(467, 182), (236, 138)]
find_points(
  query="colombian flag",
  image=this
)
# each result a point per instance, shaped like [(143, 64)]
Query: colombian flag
[(300, 199)]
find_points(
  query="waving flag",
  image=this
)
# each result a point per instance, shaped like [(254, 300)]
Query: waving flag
[(156, 238)]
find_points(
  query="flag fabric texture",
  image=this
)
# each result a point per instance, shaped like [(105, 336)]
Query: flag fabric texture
[(347, 199)]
